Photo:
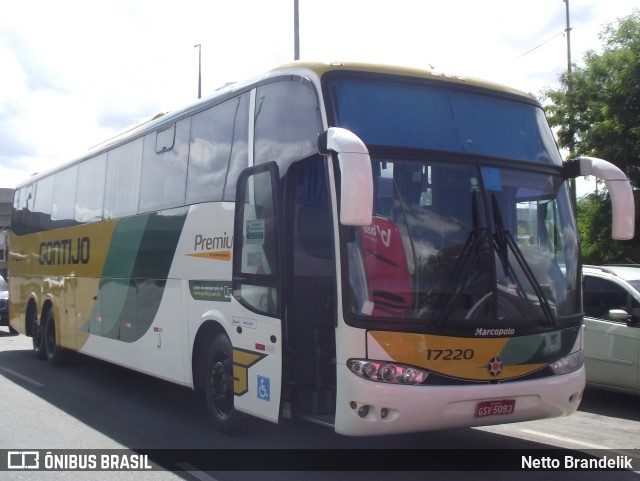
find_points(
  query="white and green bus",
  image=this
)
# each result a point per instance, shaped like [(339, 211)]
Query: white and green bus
[(378, 249)]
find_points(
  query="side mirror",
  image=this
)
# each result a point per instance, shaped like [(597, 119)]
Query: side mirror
[(619, 187), (619, 315), (356, 185)]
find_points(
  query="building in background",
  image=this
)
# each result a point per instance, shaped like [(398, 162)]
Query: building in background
[(6, 201)]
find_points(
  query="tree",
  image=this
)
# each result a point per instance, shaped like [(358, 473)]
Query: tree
[(603, 104), (594, 228), (597, 108)]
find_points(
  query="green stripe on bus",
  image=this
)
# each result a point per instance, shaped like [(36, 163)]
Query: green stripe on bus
[(134, 277)]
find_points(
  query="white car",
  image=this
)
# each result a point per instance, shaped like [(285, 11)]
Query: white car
[(612, 326)]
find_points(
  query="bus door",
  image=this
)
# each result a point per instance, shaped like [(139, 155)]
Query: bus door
[(310, 323), (256, 305)]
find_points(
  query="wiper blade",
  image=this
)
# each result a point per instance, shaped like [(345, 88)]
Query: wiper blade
[(504, 241), (467, 259)]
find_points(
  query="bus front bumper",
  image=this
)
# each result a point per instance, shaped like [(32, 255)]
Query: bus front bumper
[(366, 408)]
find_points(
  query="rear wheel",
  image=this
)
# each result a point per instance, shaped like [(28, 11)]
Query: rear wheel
[(218, 385), (56, 355), (37, 336)]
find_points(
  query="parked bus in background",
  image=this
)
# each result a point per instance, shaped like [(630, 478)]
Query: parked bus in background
[(378, 249)]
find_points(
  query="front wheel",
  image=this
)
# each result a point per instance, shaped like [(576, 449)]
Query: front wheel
[(218, 386)]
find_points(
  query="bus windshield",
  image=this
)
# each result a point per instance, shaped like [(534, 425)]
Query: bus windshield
[(454, 243), (461, 236), (428, 116)]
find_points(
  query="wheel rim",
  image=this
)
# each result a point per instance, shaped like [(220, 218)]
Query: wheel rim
[(220, 383)]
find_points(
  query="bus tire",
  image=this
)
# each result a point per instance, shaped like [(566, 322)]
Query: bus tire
[(37, 337), (218, 385), (56, 355)]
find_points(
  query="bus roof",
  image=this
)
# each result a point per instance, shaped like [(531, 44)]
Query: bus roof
[(296, 67), (410, 71)]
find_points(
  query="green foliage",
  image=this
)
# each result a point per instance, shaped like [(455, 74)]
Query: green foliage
[(602, 107), (596, 112), (594, 227)]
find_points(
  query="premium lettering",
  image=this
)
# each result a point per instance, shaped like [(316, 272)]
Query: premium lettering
[(212, 243), (65, 252)]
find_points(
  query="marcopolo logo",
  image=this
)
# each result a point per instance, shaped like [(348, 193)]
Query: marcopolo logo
[(481, 332), (65, 252)]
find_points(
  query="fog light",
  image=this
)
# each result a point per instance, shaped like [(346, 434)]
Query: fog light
[(363, 410), (384, 412)]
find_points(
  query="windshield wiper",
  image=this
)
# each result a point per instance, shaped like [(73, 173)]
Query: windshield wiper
[(466, 261), (503, 242)]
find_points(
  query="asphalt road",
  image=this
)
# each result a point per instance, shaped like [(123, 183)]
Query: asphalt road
[(95, 405)]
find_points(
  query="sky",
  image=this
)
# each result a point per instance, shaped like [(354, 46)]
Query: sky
[(74, 73)]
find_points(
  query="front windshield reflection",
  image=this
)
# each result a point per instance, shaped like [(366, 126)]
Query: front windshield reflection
[(454, 244)]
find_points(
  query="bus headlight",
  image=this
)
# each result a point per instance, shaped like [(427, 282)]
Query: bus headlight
[(567, 364), (384, 371)]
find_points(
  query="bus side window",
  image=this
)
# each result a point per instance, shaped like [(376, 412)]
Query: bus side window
[(164, 167), (21, 214), (90, 189), (41, 214), (287, 123), (122, 187), (209, 152)]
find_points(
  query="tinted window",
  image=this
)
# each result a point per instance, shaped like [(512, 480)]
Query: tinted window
[(165, 139), (164, 171), (211, 140), (430, 117), (20, 215), (64, 197), (601, 295), (287, 122), (123, 180), (90, 189), (240, 149), (41, 217)]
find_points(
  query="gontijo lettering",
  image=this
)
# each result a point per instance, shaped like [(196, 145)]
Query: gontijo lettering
[(65, 251)]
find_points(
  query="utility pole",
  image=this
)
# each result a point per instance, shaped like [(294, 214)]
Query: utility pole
[(199, 69), (570, 116), (296, 31), (570, 84)]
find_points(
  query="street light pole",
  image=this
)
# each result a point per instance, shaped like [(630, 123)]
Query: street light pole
[(199, 69), (296, 31)]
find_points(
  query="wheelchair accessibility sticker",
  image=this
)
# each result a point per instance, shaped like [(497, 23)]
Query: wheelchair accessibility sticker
[(264, 388)]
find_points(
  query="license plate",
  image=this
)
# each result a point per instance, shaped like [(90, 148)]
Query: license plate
[(491, 408)]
